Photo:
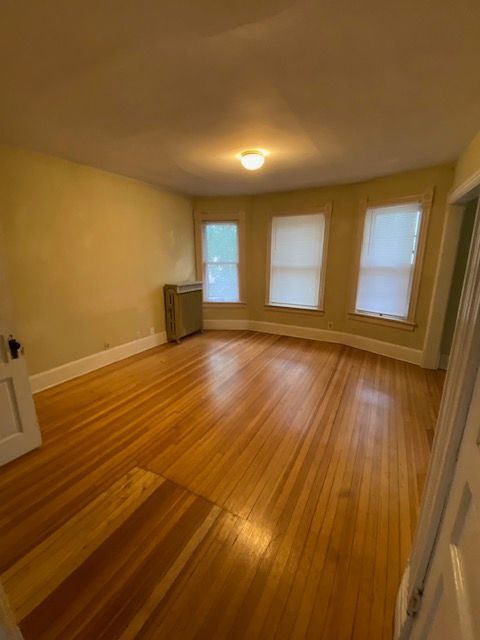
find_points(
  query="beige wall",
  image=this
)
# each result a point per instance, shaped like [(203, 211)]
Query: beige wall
[(88, 251), (343, 235), (87, 254)]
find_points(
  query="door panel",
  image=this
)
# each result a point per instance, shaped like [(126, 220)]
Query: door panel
[(19, 431), (441, 622), (465, 561), (10, 424), (451, 600)]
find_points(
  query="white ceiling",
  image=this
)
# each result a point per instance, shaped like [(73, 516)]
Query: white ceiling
[(169, 91)]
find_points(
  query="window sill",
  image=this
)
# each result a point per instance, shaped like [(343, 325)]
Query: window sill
[(384, 321), (233, 305), (303, 310)]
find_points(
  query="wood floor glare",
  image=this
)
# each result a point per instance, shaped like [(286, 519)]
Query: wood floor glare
[(236, 486)]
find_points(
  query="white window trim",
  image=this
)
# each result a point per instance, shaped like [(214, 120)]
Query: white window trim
[(200, 218), (407, 323), (326, 211)]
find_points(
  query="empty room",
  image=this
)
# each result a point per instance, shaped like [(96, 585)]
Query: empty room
[(239, 320)]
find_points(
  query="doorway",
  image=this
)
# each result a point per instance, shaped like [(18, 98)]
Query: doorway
[(458, 277)]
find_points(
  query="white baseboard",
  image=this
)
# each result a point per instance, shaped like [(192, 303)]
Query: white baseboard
[(52, 377), (406, 354), (293, 331), (397, 351), (443, 362)]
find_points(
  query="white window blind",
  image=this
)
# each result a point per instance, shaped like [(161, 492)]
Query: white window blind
[(387, 263), (221, 262), (296, 260)]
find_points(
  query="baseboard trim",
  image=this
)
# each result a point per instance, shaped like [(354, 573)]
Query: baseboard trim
[(293, 331), (70, 370), (398, 352), (443, 362)]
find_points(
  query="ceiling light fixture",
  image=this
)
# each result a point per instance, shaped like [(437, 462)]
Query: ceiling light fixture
[(252, 160)]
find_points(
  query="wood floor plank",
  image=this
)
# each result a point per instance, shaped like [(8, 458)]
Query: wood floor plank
[(238, 485), (100, 598), (30, 580), (145, 612)]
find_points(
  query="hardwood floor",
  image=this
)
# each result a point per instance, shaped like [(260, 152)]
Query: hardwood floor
[(238, 485)]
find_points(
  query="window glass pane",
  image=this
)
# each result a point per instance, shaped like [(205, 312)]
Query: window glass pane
[(388, 259), (221, 242), (220, 247), (296, 260), (221, 282)]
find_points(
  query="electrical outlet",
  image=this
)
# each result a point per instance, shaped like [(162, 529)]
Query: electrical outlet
[(106, 345), (152, 331), (330, 325)]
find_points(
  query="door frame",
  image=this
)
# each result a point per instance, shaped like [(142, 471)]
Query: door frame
[(441, 287), (8, 625), (461, 375)]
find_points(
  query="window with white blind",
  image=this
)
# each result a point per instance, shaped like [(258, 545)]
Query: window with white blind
[(388, 260), (297, 255), (219, 239)]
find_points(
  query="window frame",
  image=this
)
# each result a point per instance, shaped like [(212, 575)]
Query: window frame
[(326, 211), (408, 323), (237, 217)]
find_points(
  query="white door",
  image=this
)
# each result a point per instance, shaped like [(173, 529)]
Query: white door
[(450, 607), (19, 431)]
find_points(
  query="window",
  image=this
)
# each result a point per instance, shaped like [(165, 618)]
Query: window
[(297, 260), (389, 260), (219, 240), (220, 274)]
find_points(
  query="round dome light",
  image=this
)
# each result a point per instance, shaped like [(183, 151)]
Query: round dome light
[(252, 160)]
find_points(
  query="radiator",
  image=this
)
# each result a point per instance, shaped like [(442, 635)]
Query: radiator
[(183, 309)]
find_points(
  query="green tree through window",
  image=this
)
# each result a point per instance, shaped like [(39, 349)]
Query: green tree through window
[(220, 241)]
